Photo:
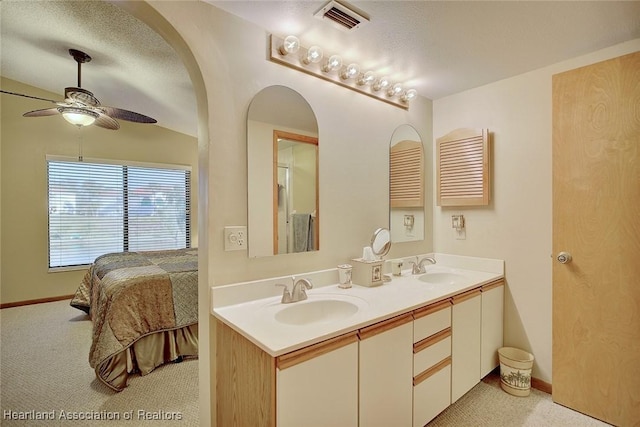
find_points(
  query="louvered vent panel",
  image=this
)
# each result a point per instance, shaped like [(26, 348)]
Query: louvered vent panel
[(463, 168), (406, 175), (341, 18)]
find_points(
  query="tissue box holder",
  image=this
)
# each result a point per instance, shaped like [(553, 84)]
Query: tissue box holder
[(366, 273)]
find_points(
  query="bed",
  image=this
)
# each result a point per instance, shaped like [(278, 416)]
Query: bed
[(144, 308)]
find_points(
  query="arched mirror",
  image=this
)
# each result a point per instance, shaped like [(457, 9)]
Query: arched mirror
[(406, 185), (282, 165)]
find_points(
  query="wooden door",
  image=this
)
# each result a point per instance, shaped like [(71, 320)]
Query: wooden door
[(596, 219)]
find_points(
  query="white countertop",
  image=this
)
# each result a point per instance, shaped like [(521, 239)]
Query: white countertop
[(256, 319)]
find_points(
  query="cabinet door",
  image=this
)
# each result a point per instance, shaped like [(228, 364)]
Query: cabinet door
[(318, 386), (465, 346), (432, 393), (492, 326), (386, 373)]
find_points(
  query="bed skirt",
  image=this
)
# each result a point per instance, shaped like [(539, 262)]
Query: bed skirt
[(147, 353)]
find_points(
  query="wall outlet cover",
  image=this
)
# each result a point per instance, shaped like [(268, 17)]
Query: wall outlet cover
[(235, 238)]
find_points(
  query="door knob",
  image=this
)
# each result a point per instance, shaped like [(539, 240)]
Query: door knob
[(564, 257)]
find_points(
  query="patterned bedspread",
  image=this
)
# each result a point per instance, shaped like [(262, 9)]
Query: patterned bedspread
[(130, 295)]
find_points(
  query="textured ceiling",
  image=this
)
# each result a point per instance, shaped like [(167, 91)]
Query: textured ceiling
[(444, 47), (438, 47), (132, 67)]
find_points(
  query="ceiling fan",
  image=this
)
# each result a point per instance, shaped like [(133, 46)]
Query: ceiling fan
[(81, 108)]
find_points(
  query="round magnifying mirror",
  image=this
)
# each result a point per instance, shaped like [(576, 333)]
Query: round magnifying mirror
[(381, 242)]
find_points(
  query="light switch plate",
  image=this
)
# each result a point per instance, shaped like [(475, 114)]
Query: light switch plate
[(235, 238)]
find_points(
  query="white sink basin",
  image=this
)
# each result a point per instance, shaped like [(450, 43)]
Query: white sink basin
[(315, 311), (443, 278)]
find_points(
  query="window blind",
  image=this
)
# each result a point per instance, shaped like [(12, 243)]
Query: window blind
[(97, 208)]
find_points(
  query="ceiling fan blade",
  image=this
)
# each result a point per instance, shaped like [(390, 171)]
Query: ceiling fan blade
[(130, 116), (28, 96), (42, 113), (106, 122)]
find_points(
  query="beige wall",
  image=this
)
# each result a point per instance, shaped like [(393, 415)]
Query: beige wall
[(354, 136), (25, 143), (516, 226)]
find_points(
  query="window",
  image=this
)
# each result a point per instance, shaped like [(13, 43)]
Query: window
[(97, 208)]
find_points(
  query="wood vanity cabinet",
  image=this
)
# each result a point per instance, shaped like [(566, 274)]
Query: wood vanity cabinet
[(431, 361), (317, 386), (314, 386), (492, 325), (465, 346), (245, 383), (402, 371), (477, 323), (386, 369)]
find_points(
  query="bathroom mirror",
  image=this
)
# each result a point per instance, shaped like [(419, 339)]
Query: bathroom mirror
[(282, 181), (381, 242), (406, 185)]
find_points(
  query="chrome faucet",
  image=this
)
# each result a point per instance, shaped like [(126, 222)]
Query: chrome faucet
[(298, 293), (418, 266)]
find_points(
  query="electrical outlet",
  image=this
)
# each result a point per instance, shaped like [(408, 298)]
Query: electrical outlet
[(235, 238), (459, 231)]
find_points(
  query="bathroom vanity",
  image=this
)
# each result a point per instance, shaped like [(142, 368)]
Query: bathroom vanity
[(397, 354)]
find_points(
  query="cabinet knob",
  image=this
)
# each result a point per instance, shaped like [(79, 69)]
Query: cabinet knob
[(564, 257)]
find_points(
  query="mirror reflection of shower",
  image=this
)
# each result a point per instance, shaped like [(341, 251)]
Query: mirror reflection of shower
[(296, 194)]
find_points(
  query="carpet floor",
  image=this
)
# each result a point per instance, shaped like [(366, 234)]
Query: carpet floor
[(487, 405), (45, 372)]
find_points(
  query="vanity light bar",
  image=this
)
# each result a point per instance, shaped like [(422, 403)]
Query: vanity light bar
[(289, 52)]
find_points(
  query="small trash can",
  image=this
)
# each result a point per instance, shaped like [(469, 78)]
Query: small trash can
[(515, 371)]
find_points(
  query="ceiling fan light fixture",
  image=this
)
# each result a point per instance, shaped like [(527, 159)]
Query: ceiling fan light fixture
[(78, 116)]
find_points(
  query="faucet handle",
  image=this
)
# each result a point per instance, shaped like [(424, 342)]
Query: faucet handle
[(286, 294)]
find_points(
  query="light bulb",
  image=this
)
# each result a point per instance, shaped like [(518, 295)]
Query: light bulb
[(78, 116), (333, 63), (382, 83), (350, 72), (366, 78), (394, 90), (314, 54), (291, 44), (409, 95)]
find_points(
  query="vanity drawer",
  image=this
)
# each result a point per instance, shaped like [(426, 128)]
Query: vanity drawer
[(431, 319), (429, 352)]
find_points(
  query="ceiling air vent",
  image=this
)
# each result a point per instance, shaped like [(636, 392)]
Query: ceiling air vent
[(342, 16)]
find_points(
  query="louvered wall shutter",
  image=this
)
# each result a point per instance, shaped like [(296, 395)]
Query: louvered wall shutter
[(406, 175), (463, 168)]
